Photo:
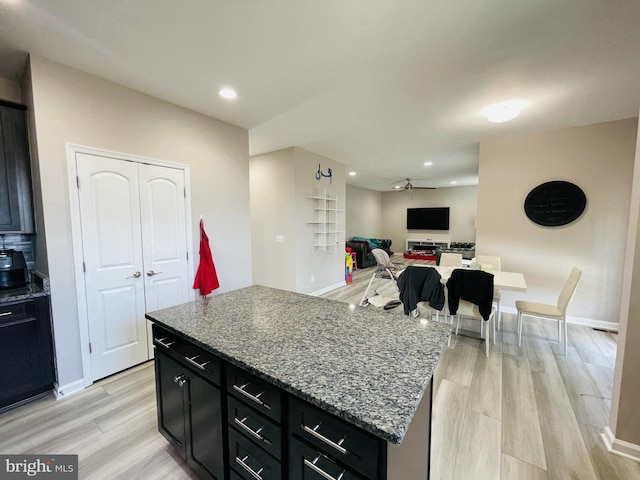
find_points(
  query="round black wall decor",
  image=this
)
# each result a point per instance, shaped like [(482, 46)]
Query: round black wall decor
[(555, 203)]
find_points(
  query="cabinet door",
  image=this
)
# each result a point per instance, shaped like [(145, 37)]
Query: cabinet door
[(170, 400), (25, 351), (205, 448), (15, 177)]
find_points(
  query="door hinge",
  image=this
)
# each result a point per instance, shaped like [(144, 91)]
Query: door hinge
[(187, 255), (78, 182), (185, 193), (90, 349), (84, 267)]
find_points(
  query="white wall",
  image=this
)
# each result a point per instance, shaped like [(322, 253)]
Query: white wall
[(70, 106), (599, 159), (363, 213), (281, 184), (462, 202)]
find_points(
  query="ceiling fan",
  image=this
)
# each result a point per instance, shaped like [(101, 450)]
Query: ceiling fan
[(409, 186)]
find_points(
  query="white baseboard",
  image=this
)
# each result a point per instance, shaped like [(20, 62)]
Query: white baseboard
[(62, 391), (587, 322), (324, 290), (620, 447)]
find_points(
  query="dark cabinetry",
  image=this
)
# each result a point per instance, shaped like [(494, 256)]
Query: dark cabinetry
[(15, 177), (190, 404), (26, 352), (250, 429)]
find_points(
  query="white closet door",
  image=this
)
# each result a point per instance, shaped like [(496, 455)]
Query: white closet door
[(114, 280), (164, 238)]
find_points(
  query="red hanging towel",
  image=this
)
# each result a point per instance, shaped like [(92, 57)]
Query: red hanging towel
[(206, 277)]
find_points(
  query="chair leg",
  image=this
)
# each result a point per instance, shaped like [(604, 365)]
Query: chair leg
[(493, 326), (566, 336), (487, 340), (519, 328), (364, 297), (457, 323), (499, 313), (559, 331)]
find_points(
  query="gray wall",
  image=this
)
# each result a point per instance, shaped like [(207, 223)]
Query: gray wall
[(363, 213), (70, 106), (462, 202), (281, 184), (598, 158)]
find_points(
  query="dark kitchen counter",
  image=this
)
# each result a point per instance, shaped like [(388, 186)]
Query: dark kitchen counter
[(39, 287)]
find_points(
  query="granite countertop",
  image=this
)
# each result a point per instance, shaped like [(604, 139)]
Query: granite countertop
[(38, 287), (367, 366)]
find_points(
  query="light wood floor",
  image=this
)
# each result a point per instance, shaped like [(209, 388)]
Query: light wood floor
[(523, 413)]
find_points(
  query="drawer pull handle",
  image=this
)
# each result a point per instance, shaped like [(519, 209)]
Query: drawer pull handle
[(255, 398), (196, 364), (313, 431), (4, 314), (165, 345), (319, 471), (249, 430), (251, 471), (180, 380)]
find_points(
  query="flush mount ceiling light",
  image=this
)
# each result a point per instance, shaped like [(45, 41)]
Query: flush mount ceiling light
[(228, 93), (503, 111), (428, 164), (352, 174)]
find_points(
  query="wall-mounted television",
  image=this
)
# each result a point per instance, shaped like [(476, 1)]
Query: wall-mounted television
[(434, 218)]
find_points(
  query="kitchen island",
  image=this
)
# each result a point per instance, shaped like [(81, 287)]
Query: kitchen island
[(262, 383)]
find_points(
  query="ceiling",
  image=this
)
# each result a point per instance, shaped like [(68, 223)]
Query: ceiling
[(381, 86)]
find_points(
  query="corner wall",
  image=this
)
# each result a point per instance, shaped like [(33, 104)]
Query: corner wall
[(363, 213), (281, 184), (599, 159), (70, 106)]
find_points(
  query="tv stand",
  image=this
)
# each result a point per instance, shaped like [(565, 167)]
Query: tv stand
[(432, 239)]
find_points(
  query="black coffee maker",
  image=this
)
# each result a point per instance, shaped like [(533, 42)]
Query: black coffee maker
[(13, 269)]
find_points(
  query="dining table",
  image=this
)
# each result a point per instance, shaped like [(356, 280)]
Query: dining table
[(513, 281)]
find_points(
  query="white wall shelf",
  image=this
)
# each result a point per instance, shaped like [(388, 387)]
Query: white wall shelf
[(327, 221)]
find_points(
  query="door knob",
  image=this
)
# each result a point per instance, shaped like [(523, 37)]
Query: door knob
[(135, 275), (151, 273)]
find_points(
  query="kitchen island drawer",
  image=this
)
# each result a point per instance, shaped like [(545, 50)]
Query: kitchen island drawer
[(259, 394), (307, 463), (342, 441), (201, 361), (255, 427), (250, 461)]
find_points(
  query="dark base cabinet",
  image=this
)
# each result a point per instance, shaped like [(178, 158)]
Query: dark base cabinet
[(249, 429), (26, 351), (190, 415)]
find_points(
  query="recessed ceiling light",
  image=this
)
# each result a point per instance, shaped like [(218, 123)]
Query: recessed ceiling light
[(454, 182), (228, 93), (352, 174), (397, 187), (428, 164), (503, 111)]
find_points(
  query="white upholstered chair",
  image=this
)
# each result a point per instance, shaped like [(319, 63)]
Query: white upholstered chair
[(556, 312), (491, 263), (451, 259), (469, 310)]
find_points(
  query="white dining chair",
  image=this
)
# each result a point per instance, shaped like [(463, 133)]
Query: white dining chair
[(490, 263), (451, 259), (556, 312), (469, 310)]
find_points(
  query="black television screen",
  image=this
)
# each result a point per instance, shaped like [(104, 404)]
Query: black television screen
[(436, 218)]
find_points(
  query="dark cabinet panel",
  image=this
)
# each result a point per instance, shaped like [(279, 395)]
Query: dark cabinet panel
[(170, 400), (26, 351), (206, 444), (190, 415), (250, 461), (15, 170)]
